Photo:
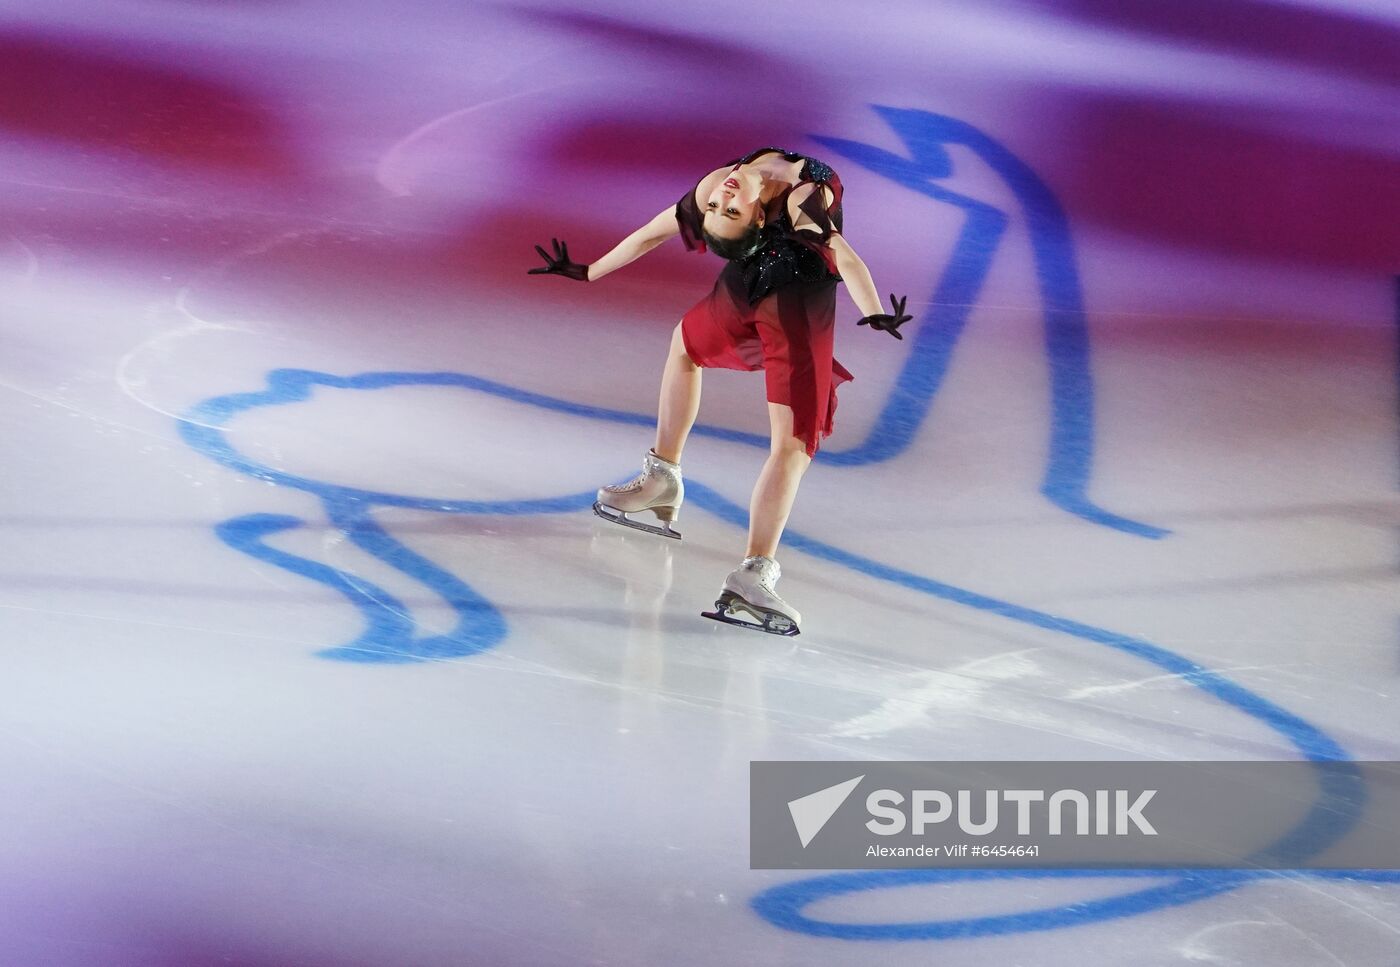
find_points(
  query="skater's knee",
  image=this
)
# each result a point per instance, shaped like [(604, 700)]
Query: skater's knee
[(790, 450), (678, 350)]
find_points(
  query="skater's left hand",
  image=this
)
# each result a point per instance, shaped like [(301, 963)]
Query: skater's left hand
[(889, 323), (560, 264)]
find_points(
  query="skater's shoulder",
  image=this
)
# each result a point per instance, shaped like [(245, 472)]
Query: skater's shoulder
[(819, 171)]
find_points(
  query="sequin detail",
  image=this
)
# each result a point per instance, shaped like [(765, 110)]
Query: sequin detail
[(818, 171), (813, 170), (786, 256), (783, 259)]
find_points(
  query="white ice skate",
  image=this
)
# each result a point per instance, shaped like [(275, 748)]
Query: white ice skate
[(749, 590), (658, 488)]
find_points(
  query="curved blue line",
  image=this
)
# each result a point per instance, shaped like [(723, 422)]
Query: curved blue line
[(1342, 793), (927, 136), (388, 635), (203, 428), (930, 351), (386, 617), (479, 625), (1311, 741), (1336, 809), (782, 906), (1359, 876)]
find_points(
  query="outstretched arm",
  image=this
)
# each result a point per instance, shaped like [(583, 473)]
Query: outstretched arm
[(862, 289), (856, 276), (848, 264), (643, 240), (639, 243)]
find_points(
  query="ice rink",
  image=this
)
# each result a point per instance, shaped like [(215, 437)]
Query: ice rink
[(313, 653)]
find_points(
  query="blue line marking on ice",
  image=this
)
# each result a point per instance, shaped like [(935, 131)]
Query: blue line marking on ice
[(1338, 807), (389, 636), (385, 617), (1310, 741), (928, 136), (782, 906)]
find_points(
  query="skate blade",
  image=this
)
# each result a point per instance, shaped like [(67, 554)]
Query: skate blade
[(663, 529), (774, 624)]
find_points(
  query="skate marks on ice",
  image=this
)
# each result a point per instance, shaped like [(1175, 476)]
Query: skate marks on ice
[(389, 635), (18, 263), (1065, 483)]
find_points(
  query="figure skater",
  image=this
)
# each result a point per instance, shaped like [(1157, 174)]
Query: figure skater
[(775, 217)]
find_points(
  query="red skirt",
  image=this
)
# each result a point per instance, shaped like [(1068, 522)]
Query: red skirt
[(788, 335)]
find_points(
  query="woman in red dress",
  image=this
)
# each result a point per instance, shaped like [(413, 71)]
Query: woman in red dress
[(775, 216)]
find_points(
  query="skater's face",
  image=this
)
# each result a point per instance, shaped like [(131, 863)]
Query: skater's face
[(733, 205)]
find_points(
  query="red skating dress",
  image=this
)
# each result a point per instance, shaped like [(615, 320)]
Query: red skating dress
[(776, 309)]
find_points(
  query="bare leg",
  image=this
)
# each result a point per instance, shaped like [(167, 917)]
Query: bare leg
[(680, 401), (776, 488)]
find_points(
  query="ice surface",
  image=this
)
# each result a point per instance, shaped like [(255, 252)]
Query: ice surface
[(313, 653)]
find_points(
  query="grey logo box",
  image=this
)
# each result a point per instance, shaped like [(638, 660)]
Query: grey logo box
[(1170, 815)]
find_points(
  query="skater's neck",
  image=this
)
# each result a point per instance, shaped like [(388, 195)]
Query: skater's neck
[(776, 174)]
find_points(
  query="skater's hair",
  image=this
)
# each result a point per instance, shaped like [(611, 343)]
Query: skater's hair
[(735, 249)]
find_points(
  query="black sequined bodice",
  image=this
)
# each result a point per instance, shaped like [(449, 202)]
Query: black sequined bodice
[(782, 259), (813, 170)]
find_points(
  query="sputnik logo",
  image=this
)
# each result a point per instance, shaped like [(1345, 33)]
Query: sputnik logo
[(811, 812)]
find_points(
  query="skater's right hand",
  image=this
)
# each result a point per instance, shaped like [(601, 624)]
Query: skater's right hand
[(560, 263), (889, 323)]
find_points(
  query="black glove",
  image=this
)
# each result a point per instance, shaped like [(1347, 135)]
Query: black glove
[(560, 264), (890, 323)]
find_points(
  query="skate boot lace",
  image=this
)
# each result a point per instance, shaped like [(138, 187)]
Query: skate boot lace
[(767, 574), (634, 484), (649, 470)]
